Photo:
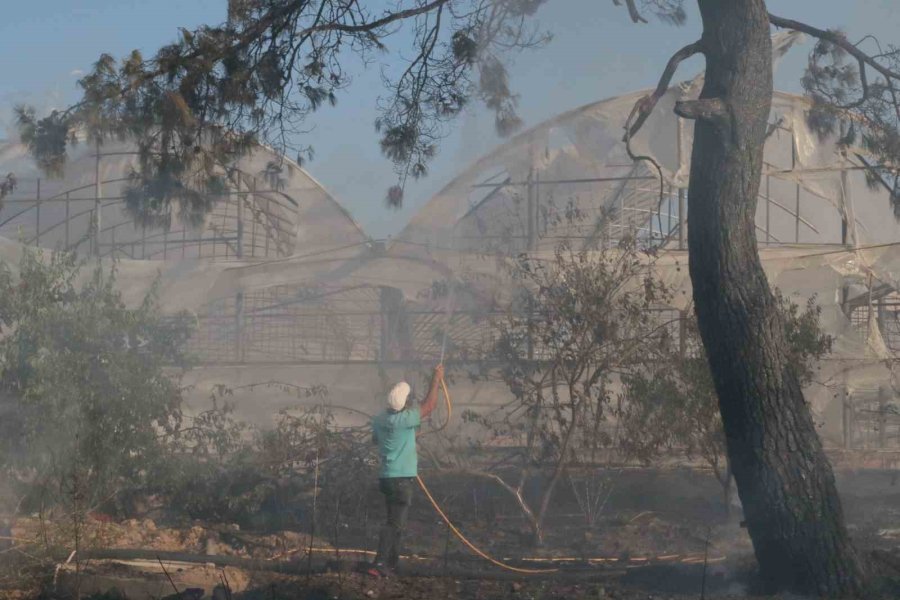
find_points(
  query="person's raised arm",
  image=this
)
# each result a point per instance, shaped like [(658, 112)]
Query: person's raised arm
[(430, 402)]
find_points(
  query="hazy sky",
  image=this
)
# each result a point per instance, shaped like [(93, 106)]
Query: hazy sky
[(596, 53)]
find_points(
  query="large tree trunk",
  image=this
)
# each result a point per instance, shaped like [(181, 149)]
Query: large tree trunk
[(784, 480)]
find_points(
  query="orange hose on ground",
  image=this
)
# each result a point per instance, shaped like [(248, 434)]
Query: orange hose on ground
[(490, 559), (472, 546), (446, 519)]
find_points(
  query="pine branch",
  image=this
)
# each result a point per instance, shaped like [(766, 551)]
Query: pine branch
[(838, 40)]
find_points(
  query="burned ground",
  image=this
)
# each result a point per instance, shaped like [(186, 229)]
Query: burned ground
[(663, 533)]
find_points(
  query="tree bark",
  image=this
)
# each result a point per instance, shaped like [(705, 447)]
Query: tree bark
[(784, 480)]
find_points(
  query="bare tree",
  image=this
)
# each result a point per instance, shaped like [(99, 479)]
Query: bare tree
[(579, 320)]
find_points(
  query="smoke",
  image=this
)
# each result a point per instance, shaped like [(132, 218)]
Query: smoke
[(476, 136)]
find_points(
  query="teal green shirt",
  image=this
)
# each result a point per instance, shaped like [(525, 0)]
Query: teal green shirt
[(395, 434)]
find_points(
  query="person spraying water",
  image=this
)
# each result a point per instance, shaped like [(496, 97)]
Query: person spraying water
[(394, 432)]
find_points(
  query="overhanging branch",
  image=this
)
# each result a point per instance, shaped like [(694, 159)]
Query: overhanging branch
[(643, 108), (645, 105), (633, 11), (392, 17), (838, 40)]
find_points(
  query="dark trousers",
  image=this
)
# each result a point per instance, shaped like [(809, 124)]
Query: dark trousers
[(397, 498)]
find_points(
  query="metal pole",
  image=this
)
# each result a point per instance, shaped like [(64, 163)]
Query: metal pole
[(37, 233), (845, 413), (537, 207), (851, 420), (252, 202), (669, 215), (240, 221), (529, 206), (658, 216), (143, 240), (679, 142), (768, 209), (98, 194), (797, 187), (267, 213), (68, 202), (530, 340), (844, 198), (239, 327)]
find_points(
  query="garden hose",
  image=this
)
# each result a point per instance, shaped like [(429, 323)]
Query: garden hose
[(446, 422), (450, 524)]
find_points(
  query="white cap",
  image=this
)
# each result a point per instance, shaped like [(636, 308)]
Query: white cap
[(398, 395)]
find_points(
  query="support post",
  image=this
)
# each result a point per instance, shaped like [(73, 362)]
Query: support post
[(68, 208), (679, 141), (844, 198), (679, 153), (669, 215), (239, 327), (796, 187), (37, 219), (98, 194), (239, 245), (529, 206), (92, 242), (846, 414), (530, 340), (851, 421), (537, 209), (768, 209), (251, 202), (266, 218)]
